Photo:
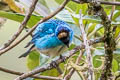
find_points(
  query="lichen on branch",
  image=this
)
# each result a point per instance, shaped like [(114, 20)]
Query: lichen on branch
[(109, 42)]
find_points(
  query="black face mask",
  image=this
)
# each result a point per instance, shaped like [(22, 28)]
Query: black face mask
[(64, 37)]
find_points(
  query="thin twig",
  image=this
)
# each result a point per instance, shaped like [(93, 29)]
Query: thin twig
[(72, 70), (110, 3), (79, 57), (68, 76), (22, 26), (59, 69), (117, 77), (37, 77), (87, 48), (58, 61), (112, 11), (33, 28), (101, 2)]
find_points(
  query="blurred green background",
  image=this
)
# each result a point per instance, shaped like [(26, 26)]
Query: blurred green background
[(10, 59)]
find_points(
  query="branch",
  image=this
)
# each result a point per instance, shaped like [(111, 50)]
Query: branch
[(117, 77), (58, 61), (72, 70), (109, 42), (68, 76), (112, 11), (22, 26), (101, 2), (87, 48), (37, 77), (33, 28)]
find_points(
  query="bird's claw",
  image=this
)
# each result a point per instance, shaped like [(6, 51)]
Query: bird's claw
[(54, 64), (62, 57)]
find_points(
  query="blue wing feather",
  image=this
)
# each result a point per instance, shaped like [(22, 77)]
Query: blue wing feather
[(48, 41), (44, 31), (46, 28)]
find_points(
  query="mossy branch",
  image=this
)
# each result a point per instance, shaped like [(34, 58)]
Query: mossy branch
[(109, 42)]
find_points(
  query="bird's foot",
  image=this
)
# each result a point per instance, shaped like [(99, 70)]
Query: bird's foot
[(54, 64), (62, 57)]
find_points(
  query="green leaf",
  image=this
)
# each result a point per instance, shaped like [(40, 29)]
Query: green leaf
[(114, 65), (59, 1), (94, 28), (76, 7), (19, 17), (116, 14), (99, 51), (117, 31), (117, 51), (33, 60), (43, 59), (101, 31), (83, 7), (73, 11), (97, 62), (88, 18), (97, 75), (43, 3), (40, 7), (91, 28), (116, 56), (62, 15), (117, 21), (70, 4), (72, 46), (65, 16), (76, 20), (108, 11), (93, 19), (53, 72)]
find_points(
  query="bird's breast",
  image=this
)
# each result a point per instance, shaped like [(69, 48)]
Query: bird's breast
[(56, 51)]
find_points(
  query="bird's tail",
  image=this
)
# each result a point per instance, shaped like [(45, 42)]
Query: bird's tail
[(29, 43), (26, 53)]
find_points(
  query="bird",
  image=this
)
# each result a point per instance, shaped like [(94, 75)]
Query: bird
[(51, 38)]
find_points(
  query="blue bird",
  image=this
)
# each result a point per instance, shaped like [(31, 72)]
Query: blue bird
[(50, 38)]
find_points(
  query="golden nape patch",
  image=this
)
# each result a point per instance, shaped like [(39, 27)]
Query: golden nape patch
[(62, 35)]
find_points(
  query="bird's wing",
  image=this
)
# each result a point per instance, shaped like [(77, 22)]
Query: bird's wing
[(46, 28), (42, 30)]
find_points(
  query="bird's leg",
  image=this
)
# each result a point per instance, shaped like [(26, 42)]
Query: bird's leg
[(62, 57), (55, 65)]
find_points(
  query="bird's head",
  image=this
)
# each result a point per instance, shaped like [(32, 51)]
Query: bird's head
[(64, 34)]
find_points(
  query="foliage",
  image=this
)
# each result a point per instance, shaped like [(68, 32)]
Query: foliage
[(70, 14)]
